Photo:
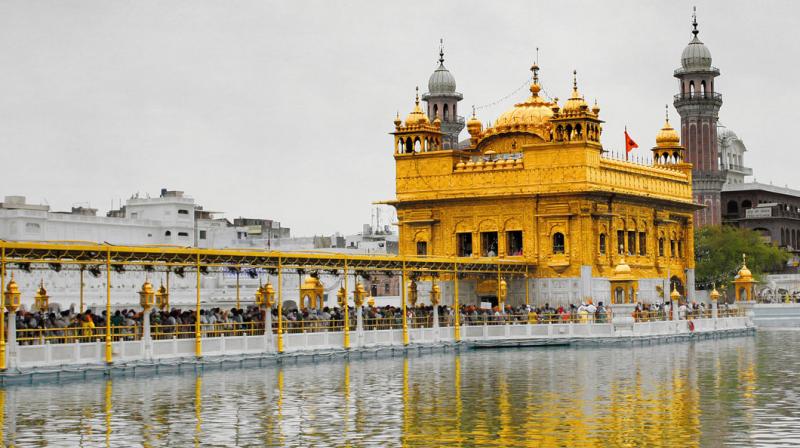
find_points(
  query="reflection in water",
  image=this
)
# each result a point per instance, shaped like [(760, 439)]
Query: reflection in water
[(738, 390)]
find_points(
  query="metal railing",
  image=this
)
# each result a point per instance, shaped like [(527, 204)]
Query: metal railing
[(36, 336), (72, 334)]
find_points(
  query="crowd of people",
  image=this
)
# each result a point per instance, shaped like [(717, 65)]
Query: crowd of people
[(127, 324)]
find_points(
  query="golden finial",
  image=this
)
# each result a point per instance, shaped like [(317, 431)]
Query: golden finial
[(416, 100), (575, 80), (473, 111), (744, 260)]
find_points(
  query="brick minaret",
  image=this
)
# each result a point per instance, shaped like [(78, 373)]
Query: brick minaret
[(698, 105)]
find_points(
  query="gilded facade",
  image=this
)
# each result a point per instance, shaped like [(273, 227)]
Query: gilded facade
[(537, 187)]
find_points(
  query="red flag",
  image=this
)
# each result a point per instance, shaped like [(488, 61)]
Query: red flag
[(629, 144)]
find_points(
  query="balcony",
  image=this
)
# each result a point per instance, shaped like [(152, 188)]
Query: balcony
[(741, 169), (700, 98), (680, 71)]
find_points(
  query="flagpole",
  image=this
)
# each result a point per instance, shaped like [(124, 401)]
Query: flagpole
[(626, 143)]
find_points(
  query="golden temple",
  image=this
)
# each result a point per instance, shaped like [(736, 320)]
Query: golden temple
[(538, 187)]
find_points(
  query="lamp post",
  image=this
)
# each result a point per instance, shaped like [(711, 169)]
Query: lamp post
[(162, 298), (265, 296), (436, 294), (11, 302), (147, 300), (41, 301), (714, 299), (358, 299), (502, 293)]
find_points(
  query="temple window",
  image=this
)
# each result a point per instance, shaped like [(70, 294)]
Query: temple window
[(642, 243), (661, 247), (621, 242), (558, 243), (603, 243), (680, 248), (464, 244), (488, 244), (631, 242), (422, 248), (514, 242), (672, 248)]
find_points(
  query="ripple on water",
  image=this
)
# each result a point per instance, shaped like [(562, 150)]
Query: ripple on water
[(736, 391)]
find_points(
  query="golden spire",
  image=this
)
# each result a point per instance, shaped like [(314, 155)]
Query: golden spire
[(667, 137), (574, 81), (535, 87), (417, 116), (576, 101)]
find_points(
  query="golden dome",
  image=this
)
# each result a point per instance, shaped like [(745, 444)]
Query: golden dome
[(147, 287), (744, 273), (11, 287), (473, 122), (674, 295), (576, 102), (622, 268), (534, 112), (714, 294), (417, 116), (667, 136)]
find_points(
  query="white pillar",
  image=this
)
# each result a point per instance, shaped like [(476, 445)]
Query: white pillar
[(11, 344), (586, 283), (714, 311), (689, 291), (436, 323), (360, 325), (146, 339), (270, 348)]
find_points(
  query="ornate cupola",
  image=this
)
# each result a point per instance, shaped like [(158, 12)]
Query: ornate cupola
[(475, 128), (668, 149), (576, 122), (442, 100), (417, 134)]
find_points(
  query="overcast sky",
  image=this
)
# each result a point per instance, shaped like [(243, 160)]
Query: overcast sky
[(282, 109)]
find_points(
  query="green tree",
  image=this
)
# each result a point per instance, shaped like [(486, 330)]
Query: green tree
[(718, 251)]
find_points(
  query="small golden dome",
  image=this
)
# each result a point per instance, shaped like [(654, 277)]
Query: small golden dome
[(714, 294), (397, 120), (576, 102), (622, 268), (667, 136), (460, 165), (417, 116), (147, 287), (473, 122), (11, 287), (596, 108), (674, 295), (744, 272)]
